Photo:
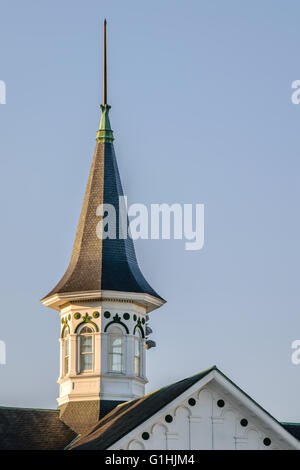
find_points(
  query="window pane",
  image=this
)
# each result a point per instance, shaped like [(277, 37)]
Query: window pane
[(86, 329), (86, 344), (86, 362), (116, 349), (116, 365), (115, 330), (117, 341)]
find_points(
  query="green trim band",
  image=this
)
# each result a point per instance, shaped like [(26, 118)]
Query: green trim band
[(84, 322), (63, 330), (86, 319), (116, 319)]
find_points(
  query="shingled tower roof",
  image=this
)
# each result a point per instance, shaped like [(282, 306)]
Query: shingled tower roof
[(102, 264)]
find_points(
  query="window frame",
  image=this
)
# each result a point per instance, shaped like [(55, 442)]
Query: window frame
[(66, 348), (80, 336), (137, 358), (111, 354)]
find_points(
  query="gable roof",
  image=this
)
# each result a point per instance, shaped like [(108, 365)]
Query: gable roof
[(124, 418), (33, 429), (128, 416)]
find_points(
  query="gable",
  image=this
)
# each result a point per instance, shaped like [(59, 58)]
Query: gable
[(213, 414)]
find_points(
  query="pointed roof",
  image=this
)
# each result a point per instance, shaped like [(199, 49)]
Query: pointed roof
[(103, 264)]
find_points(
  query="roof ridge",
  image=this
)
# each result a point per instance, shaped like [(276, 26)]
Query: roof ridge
[(27, 409)]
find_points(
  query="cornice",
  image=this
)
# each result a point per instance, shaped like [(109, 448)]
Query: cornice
[(57, 301)]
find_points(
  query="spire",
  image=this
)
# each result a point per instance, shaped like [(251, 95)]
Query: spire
[(103, 274), (105, 133), (109, 264)]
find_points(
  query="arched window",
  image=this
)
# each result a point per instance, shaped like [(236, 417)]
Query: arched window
[(137, 352), (66, 349), (115, 349), (86, 348)]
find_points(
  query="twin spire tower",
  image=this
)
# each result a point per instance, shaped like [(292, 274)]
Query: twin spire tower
[(103, 300)]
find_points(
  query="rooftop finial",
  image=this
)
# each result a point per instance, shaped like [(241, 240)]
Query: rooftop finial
[(104, 66), (104, 134)]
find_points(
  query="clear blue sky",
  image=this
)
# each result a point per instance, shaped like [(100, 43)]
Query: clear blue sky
[(201, 109)]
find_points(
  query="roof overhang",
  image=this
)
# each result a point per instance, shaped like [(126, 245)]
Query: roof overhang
[(57, 301)]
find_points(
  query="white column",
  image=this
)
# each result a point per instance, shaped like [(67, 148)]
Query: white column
[(97, 353), (61, 353), (143, 358), (73, 354), (129, 351), (104, 353)]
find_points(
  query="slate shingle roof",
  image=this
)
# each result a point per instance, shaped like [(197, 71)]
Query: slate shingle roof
[(33, 429), (108, 264)]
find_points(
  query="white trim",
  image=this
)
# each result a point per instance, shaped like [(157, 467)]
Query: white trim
[(56, 301), (267, 421)]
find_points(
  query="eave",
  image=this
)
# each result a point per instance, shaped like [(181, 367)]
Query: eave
[(57, 301)]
